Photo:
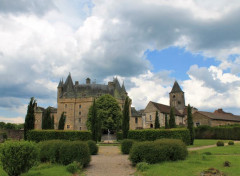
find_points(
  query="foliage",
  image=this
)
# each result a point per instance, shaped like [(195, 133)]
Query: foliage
[(119, 135), (95, 123), (49, 150), (153, 134), (158, 151), (18, 157), (47, 120), (231, 143), (142, 166), (221, 132), (172, 123), (93, 148), (42, 135), (220, 143), (10, 126), (4, 135), (157, 124), (74, 151), (126, 118), (62, 121), (126, 145), (166, 122), (190, 124), (74, 167), (30, 117), (108, 112)]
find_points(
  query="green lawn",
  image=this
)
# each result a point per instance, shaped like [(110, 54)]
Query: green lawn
[(204, 142), (45, 169), (197, 161)]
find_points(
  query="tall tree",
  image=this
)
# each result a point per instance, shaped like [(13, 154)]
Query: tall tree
[(46, 119), (126, 118), (94, 122), (166, 122), (157, 124), (52, 122), (190, 124), (172, 123), (62, 120), (30, 118)]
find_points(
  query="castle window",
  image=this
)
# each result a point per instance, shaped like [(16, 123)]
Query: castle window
[(79, 120), (136, 120), (79, 112), (68, 126), (150, 117), (80, 128), (65, 105), (179, 102), (80, 106), (197, 124), (173, 96)]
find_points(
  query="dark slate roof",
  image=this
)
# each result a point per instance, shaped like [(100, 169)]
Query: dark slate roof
[(220, 115), (41, 109), (135, 113), (166, 109), (176, 88)]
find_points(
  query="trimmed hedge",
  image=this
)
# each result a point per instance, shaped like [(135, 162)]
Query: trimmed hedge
[(153, 134), (158, 151), (42, 135), (126, 145), (119, 136), (221, 132), (93, 148)]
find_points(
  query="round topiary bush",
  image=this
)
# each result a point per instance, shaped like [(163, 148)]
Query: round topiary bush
[(231, 143), (93, 148), (158, 151), (74, 151), (126, 145), (220, 143), (18, 157)]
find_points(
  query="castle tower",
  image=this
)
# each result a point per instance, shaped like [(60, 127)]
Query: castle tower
[(60, 88), (177, 99)]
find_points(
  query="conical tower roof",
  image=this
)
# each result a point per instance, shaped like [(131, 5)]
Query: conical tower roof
[(176, 88), (68, 85), (123, 88)]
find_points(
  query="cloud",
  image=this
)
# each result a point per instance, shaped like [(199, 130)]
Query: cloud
[(12, 120)]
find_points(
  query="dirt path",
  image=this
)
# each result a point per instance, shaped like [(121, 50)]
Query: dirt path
[(208, 146), (110, 162)]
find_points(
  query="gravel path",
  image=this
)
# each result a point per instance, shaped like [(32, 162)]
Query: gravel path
[(110, 162), (207, 146)]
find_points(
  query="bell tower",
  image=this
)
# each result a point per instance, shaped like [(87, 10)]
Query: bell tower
[(176, 97)]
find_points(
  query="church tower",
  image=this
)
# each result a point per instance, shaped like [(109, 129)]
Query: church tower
[(177, 99)]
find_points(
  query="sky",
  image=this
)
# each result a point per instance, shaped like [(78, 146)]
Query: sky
[(147, 44)]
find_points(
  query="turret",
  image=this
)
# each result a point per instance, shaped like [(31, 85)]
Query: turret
[(60, 89), (176, 96)]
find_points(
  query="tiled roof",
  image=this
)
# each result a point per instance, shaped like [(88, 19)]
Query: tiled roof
[(166, 109), (135, 113), (220, 115), (176, 88)]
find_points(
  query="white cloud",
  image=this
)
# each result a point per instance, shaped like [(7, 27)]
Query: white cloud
[(12, 119)]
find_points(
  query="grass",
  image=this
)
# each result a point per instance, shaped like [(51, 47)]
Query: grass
[(204, 142), (44, 169), (197, 161)]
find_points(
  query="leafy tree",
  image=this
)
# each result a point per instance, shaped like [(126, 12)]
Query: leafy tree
[(190, 124), (10, 126), (157, 124), (46, 119), (166, 122), (62, 120), (2, 125), (108, 112), (30, 117), (126, 118), (172, 123), (95, 123), (52, 122)]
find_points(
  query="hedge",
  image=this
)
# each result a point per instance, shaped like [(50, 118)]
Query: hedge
[(119, 136), (126, 145), (158, 151), (153, 134), (42, 135), (93, 148), (224, 132)]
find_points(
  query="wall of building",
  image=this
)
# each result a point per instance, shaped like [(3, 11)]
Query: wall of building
[(177, 100), (199, 119), (136, 123), (14, 134), (221, 122)]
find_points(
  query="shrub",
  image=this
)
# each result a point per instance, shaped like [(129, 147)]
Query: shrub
[(158, 151), (220, 143), (227, 164), (74, 167), (231, 143), (49, 150), (126, 145), (74, 151), (207, 153), (18, 157), (119, 135), (42, 135), (93, 148), (142, 166), (153, 134)]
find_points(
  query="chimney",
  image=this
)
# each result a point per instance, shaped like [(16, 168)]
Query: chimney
[(219, 111), (88, 81), (76, 83)]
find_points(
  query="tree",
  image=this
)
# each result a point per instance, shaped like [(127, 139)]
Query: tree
[(157, 124), (62, 121), (30, 117), (46, 119), (52, 122), (166, 122), (190, 124), (126, 118), (109, 114), (95, 123), (172, 123)]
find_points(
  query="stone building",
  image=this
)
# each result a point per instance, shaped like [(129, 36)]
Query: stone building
[(216, 118), (75, 100), (136, 119)]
